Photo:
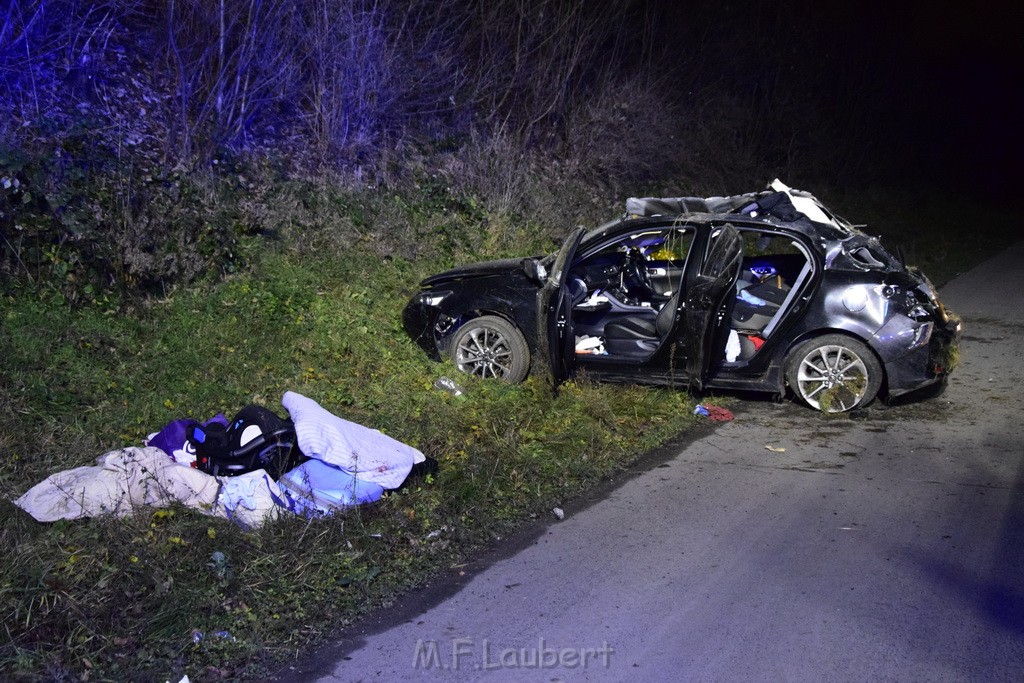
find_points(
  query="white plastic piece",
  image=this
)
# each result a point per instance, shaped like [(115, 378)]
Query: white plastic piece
[(805, 205), (732, 346)]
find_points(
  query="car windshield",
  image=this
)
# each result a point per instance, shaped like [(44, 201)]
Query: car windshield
[(598, 232), (589, 238)]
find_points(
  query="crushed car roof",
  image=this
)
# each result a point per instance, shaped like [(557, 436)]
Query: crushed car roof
[(778, 204)]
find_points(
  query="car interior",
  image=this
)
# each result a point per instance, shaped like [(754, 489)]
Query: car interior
[(774, 268), (625, 294)]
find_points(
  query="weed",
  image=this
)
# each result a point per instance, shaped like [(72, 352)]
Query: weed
[(950, 360), (844, 393)]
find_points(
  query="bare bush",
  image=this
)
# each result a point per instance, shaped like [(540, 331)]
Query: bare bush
[(51, 49), (626, 132), (230, 60), (495, 170), (359, 77), (375, 70), (533, 58)]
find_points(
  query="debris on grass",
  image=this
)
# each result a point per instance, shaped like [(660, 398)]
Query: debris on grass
[(450, 387), (713, 413)]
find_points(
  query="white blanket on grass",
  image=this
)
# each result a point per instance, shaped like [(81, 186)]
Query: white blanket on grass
[(128, 478), (366, 453)]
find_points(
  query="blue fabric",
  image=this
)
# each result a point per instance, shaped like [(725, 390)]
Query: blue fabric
[(316, 487)]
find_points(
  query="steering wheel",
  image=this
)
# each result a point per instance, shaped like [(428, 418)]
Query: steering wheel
[(635, 274)]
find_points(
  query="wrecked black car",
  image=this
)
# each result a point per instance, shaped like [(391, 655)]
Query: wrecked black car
[(763, 291)]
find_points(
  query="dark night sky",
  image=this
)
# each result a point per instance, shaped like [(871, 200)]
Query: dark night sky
[(962, 68), (941, 86)]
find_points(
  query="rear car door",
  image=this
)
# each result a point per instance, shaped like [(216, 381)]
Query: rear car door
[(709, 297)]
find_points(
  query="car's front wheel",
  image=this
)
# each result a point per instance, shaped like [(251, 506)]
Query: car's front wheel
[(834, 373), (490, 346)]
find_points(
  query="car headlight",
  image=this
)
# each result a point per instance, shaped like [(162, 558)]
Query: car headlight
[(432, 298)]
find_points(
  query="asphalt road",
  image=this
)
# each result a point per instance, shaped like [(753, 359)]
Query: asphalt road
[(887, 547)]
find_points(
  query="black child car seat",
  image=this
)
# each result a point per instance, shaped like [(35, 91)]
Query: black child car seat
[(255, 439)]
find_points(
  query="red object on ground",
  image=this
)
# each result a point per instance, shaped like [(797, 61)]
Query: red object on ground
[(718, 414)]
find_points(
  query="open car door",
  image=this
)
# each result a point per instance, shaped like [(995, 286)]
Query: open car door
[(709, 299), (554, 312)]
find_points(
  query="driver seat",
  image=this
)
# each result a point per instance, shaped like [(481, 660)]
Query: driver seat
[(639, 335)]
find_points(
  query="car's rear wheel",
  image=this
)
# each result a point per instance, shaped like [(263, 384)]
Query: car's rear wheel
[(491, 347), (834, 373)]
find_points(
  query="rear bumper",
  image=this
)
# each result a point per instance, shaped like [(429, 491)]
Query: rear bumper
[(928, 364)]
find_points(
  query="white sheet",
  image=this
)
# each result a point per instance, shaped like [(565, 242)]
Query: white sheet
[(125, 479), (366, 453)]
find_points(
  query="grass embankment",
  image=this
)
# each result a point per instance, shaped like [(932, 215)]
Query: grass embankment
[(122, 598)]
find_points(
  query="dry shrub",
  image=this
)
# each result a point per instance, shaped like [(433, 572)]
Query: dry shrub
[(621, 138), (626, 133), (494, 170)]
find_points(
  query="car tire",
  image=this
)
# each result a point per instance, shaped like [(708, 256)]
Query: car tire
[(834, 373), (491, 347)]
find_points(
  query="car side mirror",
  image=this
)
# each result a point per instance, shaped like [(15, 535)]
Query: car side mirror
[(534, 270)]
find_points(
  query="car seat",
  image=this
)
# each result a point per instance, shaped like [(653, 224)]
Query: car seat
[(757, 304), (633, 335)]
